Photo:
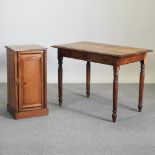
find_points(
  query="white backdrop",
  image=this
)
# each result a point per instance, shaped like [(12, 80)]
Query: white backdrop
[(49, 22)]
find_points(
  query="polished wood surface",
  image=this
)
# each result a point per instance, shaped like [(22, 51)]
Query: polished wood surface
[(26, 84), (21, 48), (27, 114), (60, 80), (105, 54), (12, 89), (115, 91), (31, 77), (141, 85), (88, 65), (105, 49)]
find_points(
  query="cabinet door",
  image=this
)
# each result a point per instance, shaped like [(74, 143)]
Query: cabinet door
[(31, 81)]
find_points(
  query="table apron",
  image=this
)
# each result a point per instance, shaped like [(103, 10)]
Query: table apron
[(98, 58), (103, 59), (132, 58)]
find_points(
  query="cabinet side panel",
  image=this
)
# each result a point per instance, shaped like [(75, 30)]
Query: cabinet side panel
[(45, 78), (11, 80)]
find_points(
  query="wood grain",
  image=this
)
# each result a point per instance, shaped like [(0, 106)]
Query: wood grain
[(60, 78), (88, 68), (105, 49), (141, 85), (106, 54), (21, 48), (115, 91), (26, 82), (31, 77), (12, 89)]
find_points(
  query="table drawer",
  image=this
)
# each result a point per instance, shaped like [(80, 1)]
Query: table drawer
[(87, 56), (76, 55)]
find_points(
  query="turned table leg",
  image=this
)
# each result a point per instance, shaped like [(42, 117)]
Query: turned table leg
[(115, 92), (88, 79), (141, 85), (60, 72)]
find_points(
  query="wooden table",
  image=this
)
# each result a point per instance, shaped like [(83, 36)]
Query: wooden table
[(105, 54)]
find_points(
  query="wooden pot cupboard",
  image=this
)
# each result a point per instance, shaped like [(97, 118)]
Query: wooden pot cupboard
[(26, 81)]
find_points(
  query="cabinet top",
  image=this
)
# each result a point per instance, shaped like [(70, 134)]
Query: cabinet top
[(21, 48)]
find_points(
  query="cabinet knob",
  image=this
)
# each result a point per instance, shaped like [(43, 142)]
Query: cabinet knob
[(18, 83)]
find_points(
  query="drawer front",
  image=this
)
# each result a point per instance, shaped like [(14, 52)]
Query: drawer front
[(98, 58), (31, 81)]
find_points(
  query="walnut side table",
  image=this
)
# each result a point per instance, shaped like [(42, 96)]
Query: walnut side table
[(105, 54)]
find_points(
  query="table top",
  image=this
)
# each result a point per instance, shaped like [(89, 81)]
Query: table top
[(105, 49), (21, 48)]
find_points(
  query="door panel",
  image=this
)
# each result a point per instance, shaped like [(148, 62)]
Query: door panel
[(31, 81)]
